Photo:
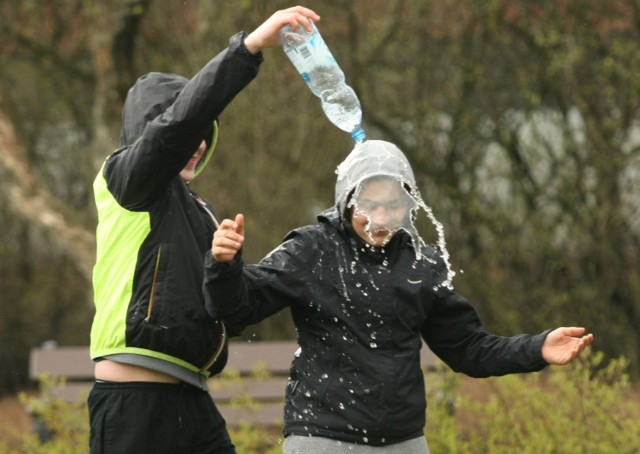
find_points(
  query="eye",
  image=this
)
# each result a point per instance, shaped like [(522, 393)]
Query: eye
[(365, 205)]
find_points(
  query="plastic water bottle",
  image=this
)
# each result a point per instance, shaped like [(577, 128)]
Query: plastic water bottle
[(315, 63)]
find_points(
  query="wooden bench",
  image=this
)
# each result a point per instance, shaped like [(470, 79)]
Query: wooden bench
[(254, 393)]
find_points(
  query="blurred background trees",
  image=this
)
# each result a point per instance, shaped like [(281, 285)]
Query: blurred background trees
[(520, 118)]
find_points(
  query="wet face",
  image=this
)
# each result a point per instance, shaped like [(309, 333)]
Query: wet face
[(379, 210), (189, 171)]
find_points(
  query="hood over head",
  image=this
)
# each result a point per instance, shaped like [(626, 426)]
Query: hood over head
[(372, 158), (149, 97)]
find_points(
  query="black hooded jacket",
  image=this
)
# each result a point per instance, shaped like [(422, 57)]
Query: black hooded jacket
[(153, 231), (361, 314)]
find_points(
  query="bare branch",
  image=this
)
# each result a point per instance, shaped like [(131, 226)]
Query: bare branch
[(37, 206)]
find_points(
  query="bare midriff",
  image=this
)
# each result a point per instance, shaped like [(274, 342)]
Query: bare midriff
[(118, 372)]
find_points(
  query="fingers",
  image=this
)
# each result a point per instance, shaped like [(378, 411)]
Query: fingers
[(564, 344), (573, 331), (576, 332), (299, 15), (228, 239), (581, 344), (240, 224), (267, 34)]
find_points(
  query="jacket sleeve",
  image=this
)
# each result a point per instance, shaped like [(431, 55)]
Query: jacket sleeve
[(137, 174), (454, 333), (245, 295)]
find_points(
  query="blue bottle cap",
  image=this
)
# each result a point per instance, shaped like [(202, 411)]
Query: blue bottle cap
[(358, 135)]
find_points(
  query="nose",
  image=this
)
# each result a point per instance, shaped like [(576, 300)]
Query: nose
[(379, 216)]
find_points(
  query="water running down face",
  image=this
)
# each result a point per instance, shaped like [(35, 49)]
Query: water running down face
[(379, 208)]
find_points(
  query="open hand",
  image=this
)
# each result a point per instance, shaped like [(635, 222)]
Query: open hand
[(562, 345)]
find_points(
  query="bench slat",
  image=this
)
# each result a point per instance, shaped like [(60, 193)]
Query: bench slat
[(76, 367), (264, 415), (271, 388)]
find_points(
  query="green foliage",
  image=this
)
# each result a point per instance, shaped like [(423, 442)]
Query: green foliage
[(443, 400), (247, 438), (251, 440), (68, 422), (588, 406)]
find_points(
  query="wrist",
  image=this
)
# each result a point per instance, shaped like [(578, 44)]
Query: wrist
[(250, 44), (238, 44)]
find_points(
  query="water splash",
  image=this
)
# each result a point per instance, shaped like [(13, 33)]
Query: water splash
[(373, 161), (413, 203)]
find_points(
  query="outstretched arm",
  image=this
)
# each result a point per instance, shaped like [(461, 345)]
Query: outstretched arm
[(267, 34), (563, 344)]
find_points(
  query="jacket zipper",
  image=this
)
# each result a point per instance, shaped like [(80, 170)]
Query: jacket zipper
[(153, 286), (218, 352), (223, 334), (205, 208)]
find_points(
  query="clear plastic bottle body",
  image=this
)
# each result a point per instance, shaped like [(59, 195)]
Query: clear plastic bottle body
[(342, 108), (312, 58)]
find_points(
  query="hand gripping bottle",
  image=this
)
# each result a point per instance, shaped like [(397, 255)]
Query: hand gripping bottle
[(315, 63)]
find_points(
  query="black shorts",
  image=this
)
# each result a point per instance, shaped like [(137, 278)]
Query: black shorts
[(155, 418)]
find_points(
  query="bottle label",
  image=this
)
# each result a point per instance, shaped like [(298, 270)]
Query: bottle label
[(313, 52)]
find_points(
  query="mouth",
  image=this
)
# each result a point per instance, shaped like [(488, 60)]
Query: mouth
[(380, 236), (380, 232)]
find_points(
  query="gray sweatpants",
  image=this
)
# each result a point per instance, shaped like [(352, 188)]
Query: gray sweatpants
[(296, 444)]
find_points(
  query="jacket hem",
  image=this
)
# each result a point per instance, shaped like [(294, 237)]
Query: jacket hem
[(172, 366)]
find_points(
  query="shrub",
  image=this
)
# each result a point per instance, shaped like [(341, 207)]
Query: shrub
[(585, 407), (63, 426)]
